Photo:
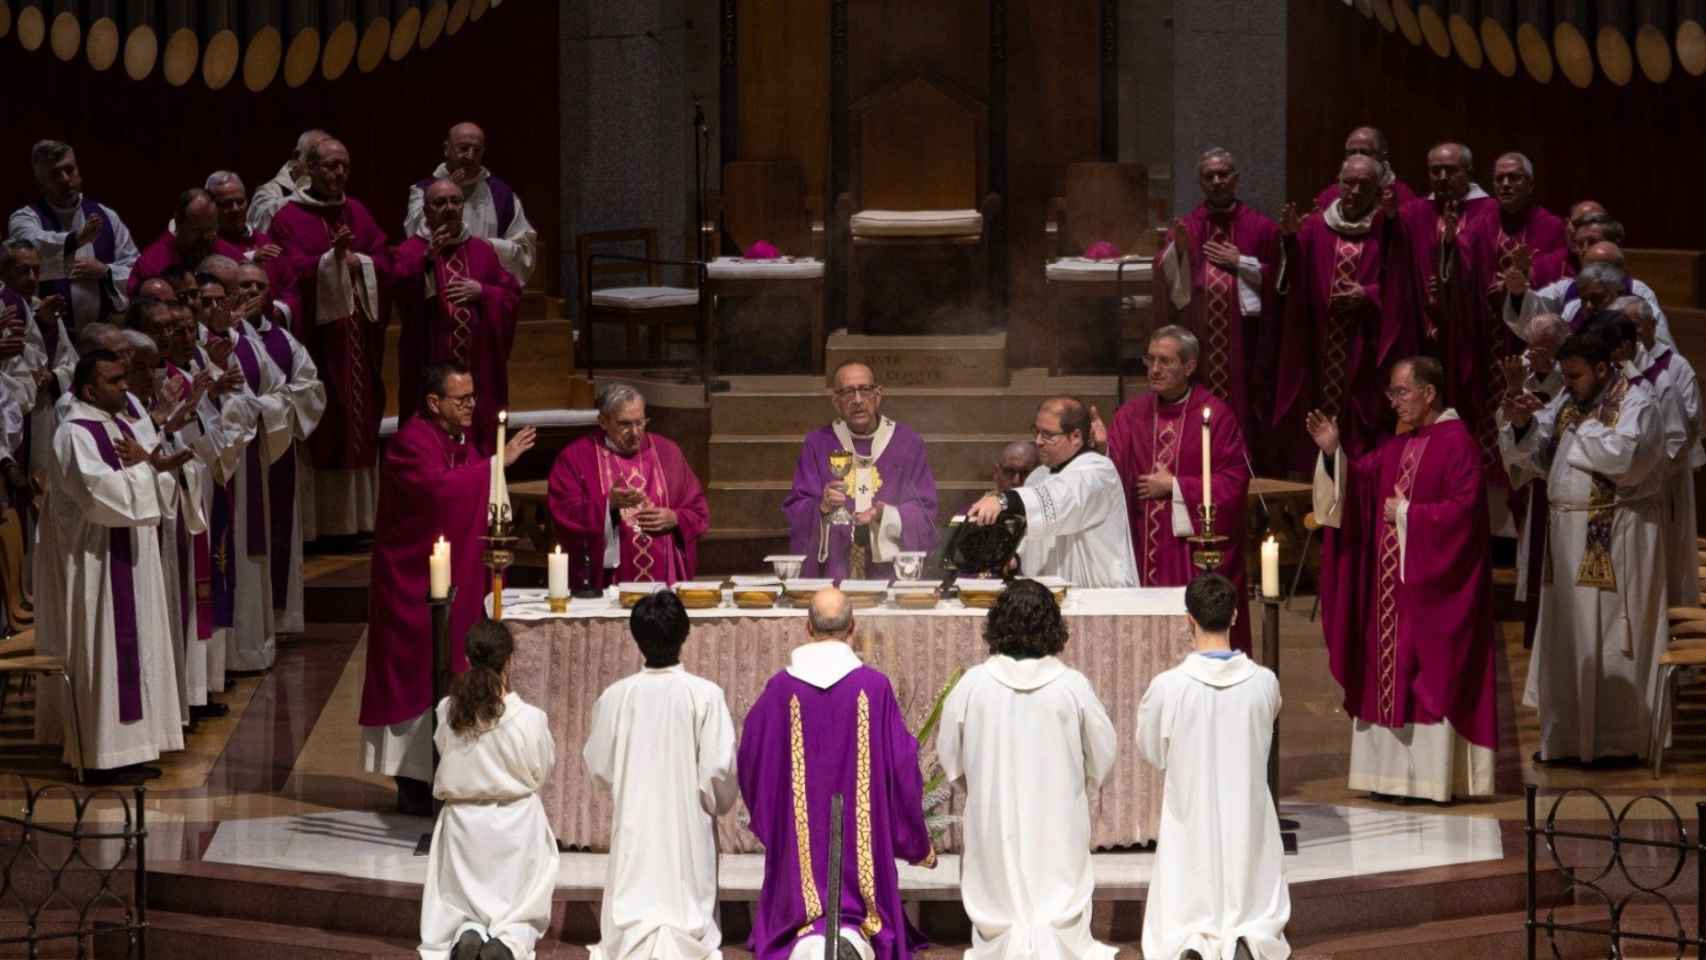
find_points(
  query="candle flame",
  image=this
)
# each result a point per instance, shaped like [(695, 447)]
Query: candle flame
[(559, 548), (503, 416), (1204, 414), (1270, 539)]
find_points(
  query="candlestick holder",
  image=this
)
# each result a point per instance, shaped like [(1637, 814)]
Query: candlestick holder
[(558, 604), (499, 540), (440, 607), (1207, 547)]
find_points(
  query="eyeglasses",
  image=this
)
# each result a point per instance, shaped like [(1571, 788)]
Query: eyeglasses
[(1401, 393), (466, 400), (863, 391), (1044, 436), (631, 424)]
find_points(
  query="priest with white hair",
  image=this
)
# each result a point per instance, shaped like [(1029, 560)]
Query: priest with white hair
[(290, 179), (490, 208), (1073, 505), (1669, 375)]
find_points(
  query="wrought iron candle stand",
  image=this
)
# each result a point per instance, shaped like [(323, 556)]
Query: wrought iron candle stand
[(499, 540)]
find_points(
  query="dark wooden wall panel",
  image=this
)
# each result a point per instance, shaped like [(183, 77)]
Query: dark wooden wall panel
[(784, 86), (1054, 119), (142, 143), (1628, 147), (888, 39)]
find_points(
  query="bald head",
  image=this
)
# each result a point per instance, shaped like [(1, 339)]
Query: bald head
[(221, 268), (1449, 170), (157, 288), (443, 206), (328, 168), (1603, 252), (1367, 142), (1359, 185), (830, 618), (1016, 462), (1583, 209), (465, 149)]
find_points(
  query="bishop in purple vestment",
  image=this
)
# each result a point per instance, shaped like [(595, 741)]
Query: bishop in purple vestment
[(457, 303), (1350, 310), (1217, 271), (1156, 444), (1406, 596), (828, 724), (624, 503), (890, 490)]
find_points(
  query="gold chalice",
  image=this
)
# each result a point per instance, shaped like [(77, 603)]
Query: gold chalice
[(841, 467)]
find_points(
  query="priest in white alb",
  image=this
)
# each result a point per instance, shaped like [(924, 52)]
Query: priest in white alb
[(1073, 505), (1670, 377), (117, 637), (1594, 672), (490, 208), (1030, 742), (663, 741)]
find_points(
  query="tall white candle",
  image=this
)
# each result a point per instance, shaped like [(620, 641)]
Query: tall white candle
[(503, 430), (1207, 475), (1270, 568), (438, 570), (557, 572)]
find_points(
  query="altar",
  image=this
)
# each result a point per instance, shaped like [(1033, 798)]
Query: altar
[(1120, 639)]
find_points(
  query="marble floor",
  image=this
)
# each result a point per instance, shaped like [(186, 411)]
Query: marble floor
[(1333, 842)]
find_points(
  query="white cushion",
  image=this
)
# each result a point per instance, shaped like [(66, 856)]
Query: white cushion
[(917, 223), (1071, 269), (781, 268), (560, 417), (645, 298)]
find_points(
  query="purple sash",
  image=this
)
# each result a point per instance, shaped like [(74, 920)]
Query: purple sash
[(503, 199), (222, 537), (281, 476), (1657, 367), (121, 567), (106, 246), (255, 504)]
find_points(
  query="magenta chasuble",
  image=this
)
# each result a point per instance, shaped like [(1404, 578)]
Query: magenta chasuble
[(581, 480)]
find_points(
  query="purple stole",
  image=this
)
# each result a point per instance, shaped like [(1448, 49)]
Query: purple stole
[(106, 246), (281, 477), (254, 504), (222, 533), (121, 568), (503, 198), (203, 552), (1657, 367)]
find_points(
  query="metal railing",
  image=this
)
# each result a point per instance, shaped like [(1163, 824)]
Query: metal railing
[(60, 905), (1601, 884)]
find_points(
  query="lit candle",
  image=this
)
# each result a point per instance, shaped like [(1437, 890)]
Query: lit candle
[(1270, 568), (503, 430), (438, 570), (1207, 475), (557, 573)]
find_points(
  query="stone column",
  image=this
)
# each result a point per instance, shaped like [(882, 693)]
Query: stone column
[(1229, 87)]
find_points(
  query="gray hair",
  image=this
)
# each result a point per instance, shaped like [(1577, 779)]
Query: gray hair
[(1601, 275), (1216, 153), (830, 626), (141, 342), (220, 178), (46, 153), (89, 338), (615, 397), (306, 142), (1522, 160), (214, 265), (1643, 309), (1189, 347), (1546, 328)]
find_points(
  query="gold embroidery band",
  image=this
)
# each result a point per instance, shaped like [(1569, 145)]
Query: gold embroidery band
[(862, 799), (1595, 569), (802, 822)]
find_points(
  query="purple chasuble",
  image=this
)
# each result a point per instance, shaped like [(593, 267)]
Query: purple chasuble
[(121, 568), (800, 745), (1410, 634), (904, 483)]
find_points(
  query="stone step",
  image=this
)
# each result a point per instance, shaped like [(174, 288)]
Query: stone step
[(976, 360), (184, 936), (758, 504), (1499, 936), (798, 405), (953, 456)]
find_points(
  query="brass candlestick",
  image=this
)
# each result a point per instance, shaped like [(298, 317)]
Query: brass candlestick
[(498, 555), (1206, 547)]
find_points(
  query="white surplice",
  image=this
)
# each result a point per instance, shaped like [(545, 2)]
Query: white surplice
[(63, 365), (1075, 524), (1678, 394), (96, 500), (494, 859), (49, 240), (514, 246), (1546, 387), (181, 520), (294, 412), (1219, 873), (1032, 744), (1594, 672), (269, 196), (223, 428), (1560, 297), (663, 741)]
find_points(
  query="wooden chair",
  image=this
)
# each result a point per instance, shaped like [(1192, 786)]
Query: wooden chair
[(18, 658), (649, 305), (1686, 651), (1101, 202), (918, 178)]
